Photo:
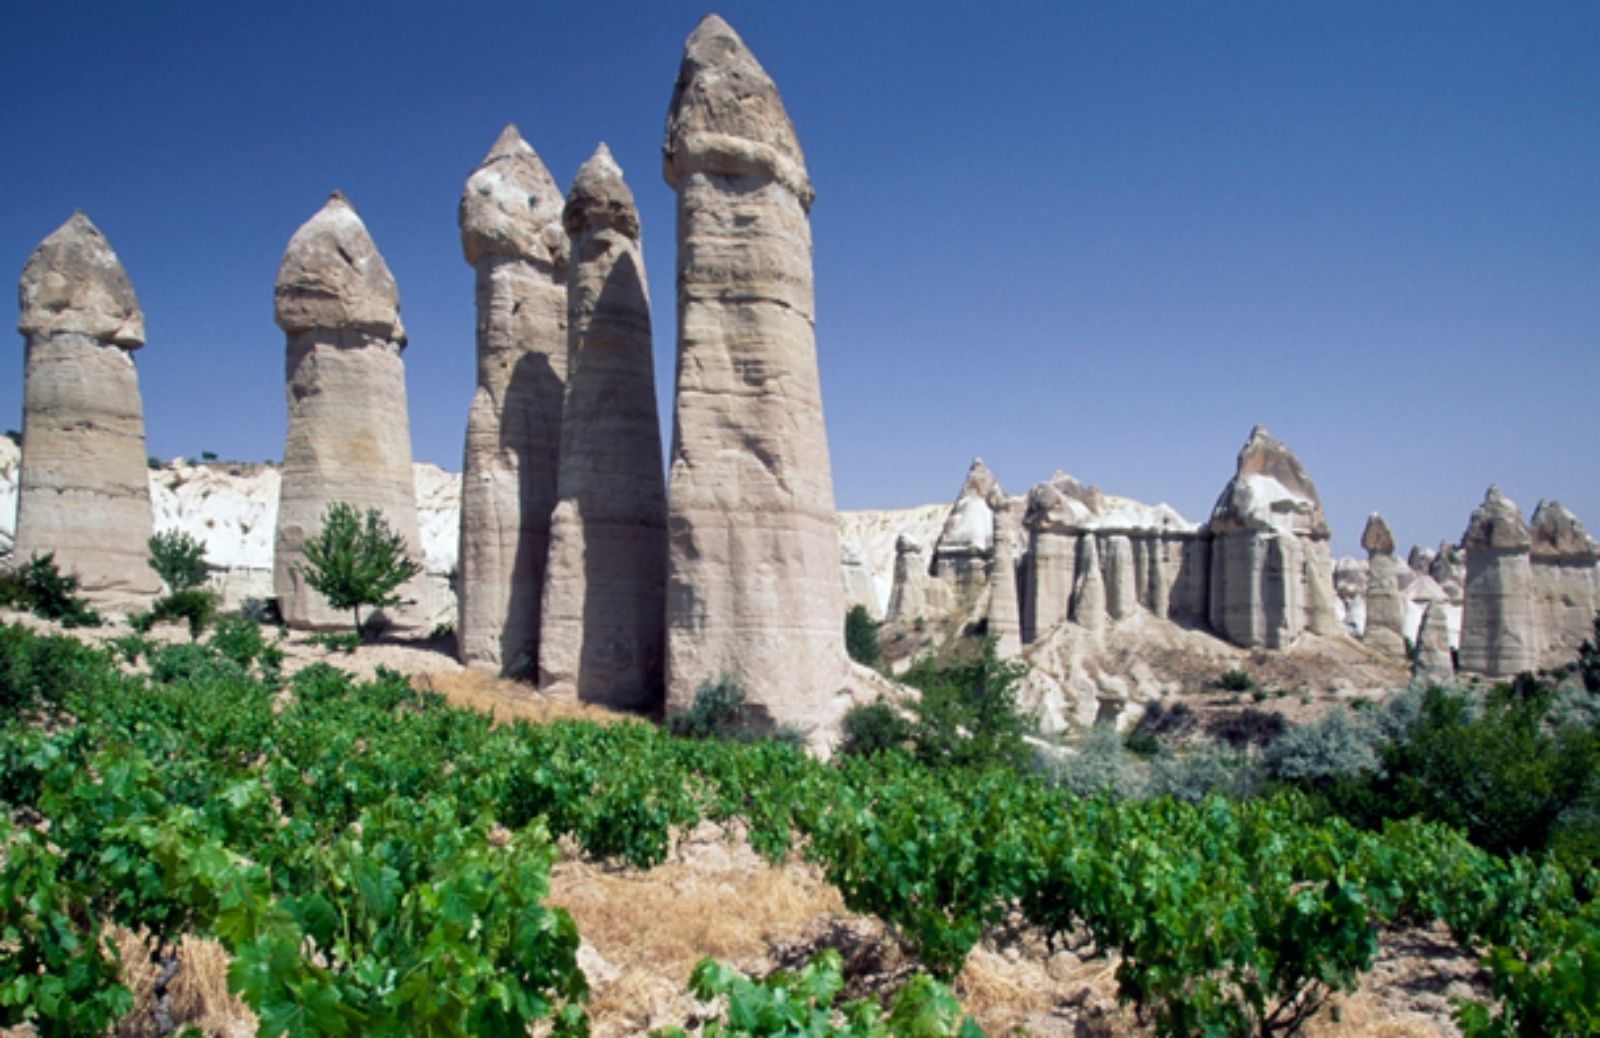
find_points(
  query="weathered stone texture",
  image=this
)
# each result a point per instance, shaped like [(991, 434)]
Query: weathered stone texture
[(1499, 636), (754, 590), (349, 439), (1433, 663), (1385, 630), (603, 621), (83, 493), (1005, 619), (511, 233), (1565, 589)]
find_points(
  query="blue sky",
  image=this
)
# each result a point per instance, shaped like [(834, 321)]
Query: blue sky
[(1107, 238)]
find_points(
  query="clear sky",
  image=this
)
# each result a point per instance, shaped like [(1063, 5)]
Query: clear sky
[(1102, 237)]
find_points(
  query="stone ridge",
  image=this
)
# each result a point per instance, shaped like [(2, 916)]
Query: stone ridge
[(332, 276), (511, 206), (73, 282), (726, 118)]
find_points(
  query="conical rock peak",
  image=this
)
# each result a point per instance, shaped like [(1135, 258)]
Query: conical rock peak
[(600, 198), (332, 276), (726, 118), (74, 283), (511, 206)]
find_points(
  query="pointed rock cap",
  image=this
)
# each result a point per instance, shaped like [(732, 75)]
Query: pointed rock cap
[(1557, 534), (1425, 589), (1376, 538), (74, 283), (1269, 491), (1420, 559), (600, 199), (1497, 524), (969, 528), (511, 206), (332, 276), (726, 117), (1062, 503)]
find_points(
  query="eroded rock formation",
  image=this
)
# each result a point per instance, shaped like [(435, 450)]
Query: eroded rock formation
[(1005, 620), (1385, 628), (349, 439), (603, 620), (511, 233), (965, 548), (754, 590), (1271, 575), (1499, 636), (1565, 591), (82, 490), (1433, 663)]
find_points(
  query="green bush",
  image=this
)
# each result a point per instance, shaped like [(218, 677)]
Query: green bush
[(861, 637), (968, 714), (873, 728), (239, 638), (336, 641), (357, 561), (718, 712), (1100, 766), (178, 559), (1339, 745), (48, 593), (1235, 680), (195, 606)]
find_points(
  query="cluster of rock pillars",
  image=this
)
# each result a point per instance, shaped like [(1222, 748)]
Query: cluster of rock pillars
[(580, 564)]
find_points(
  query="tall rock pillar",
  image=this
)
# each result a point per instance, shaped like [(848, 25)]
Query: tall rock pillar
[(83, 492), (1566, 593), (511, 233), (1499, 637), (603, 620), (1385, 630), (753, 584), (1005, 616), (349, 438)]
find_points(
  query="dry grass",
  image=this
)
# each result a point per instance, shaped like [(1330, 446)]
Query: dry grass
[(506, 700), (196, 994)]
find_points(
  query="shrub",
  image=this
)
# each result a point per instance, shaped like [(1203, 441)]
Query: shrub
[(861, 637), (1201, 770), (1588, 662), (239, 639), (1248, 727), (1235, 680), (196, 606), (873, 728), (337, 641), (718, 712), (1100, 766), (178, 559), (1338, 745), (48, 593), (1159, 724), (357, 561), (968, 714)]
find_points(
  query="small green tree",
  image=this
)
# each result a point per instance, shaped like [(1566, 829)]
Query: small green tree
[(357, 561), (861, 637), (178, 559)]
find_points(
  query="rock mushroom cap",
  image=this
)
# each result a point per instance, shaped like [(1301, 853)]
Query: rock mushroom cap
[(1376, 537), (726, 117), (511, 206), (73, 282), (1269, 490), (1557, 534), (332, 276), (1497, 524), (600, 198)]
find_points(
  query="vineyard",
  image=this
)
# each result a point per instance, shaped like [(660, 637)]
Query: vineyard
[(377, 862)]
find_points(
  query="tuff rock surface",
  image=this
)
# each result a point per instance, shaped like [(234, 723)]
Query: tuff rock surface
[(1499, 635), (510, 218), (753, 587), (1385, 628), (81, 486), (603, 620), (349, 438), (1566, 584)]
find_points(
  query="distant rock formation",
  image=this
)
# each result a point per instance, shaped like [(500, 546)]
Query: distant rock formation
[(349, 439), (754, 590), (1005, 620), (1433, 663), (1566, 584), (511, 234), (1499, 635), (1385, 629), (82, 490), (603, 620), (965, 547), (1271, 575)]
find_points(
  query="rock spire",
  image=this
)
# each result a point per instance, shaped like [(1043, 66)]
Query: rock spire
[(349, 438), (753, 587), (83, 492), (603, 620), (1499, 637), (512, 235), (1385, 629)]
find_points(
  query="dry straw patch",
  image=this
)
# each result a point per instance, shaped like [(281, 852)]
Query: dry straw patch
[(507, 700), (196, 994)]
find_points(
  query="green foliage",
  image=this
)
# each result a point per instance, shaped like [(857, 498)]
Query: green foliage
[(1235, 680), (178, 559), (1100, 765), (1588, 662), (357, 561), (42, 589), (800, 1004), (336, 641), (861, 637), (1158, 725), (967, 714), (718, 712), (194, 606), (874, 728), (1337, 746), (239, 638)]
